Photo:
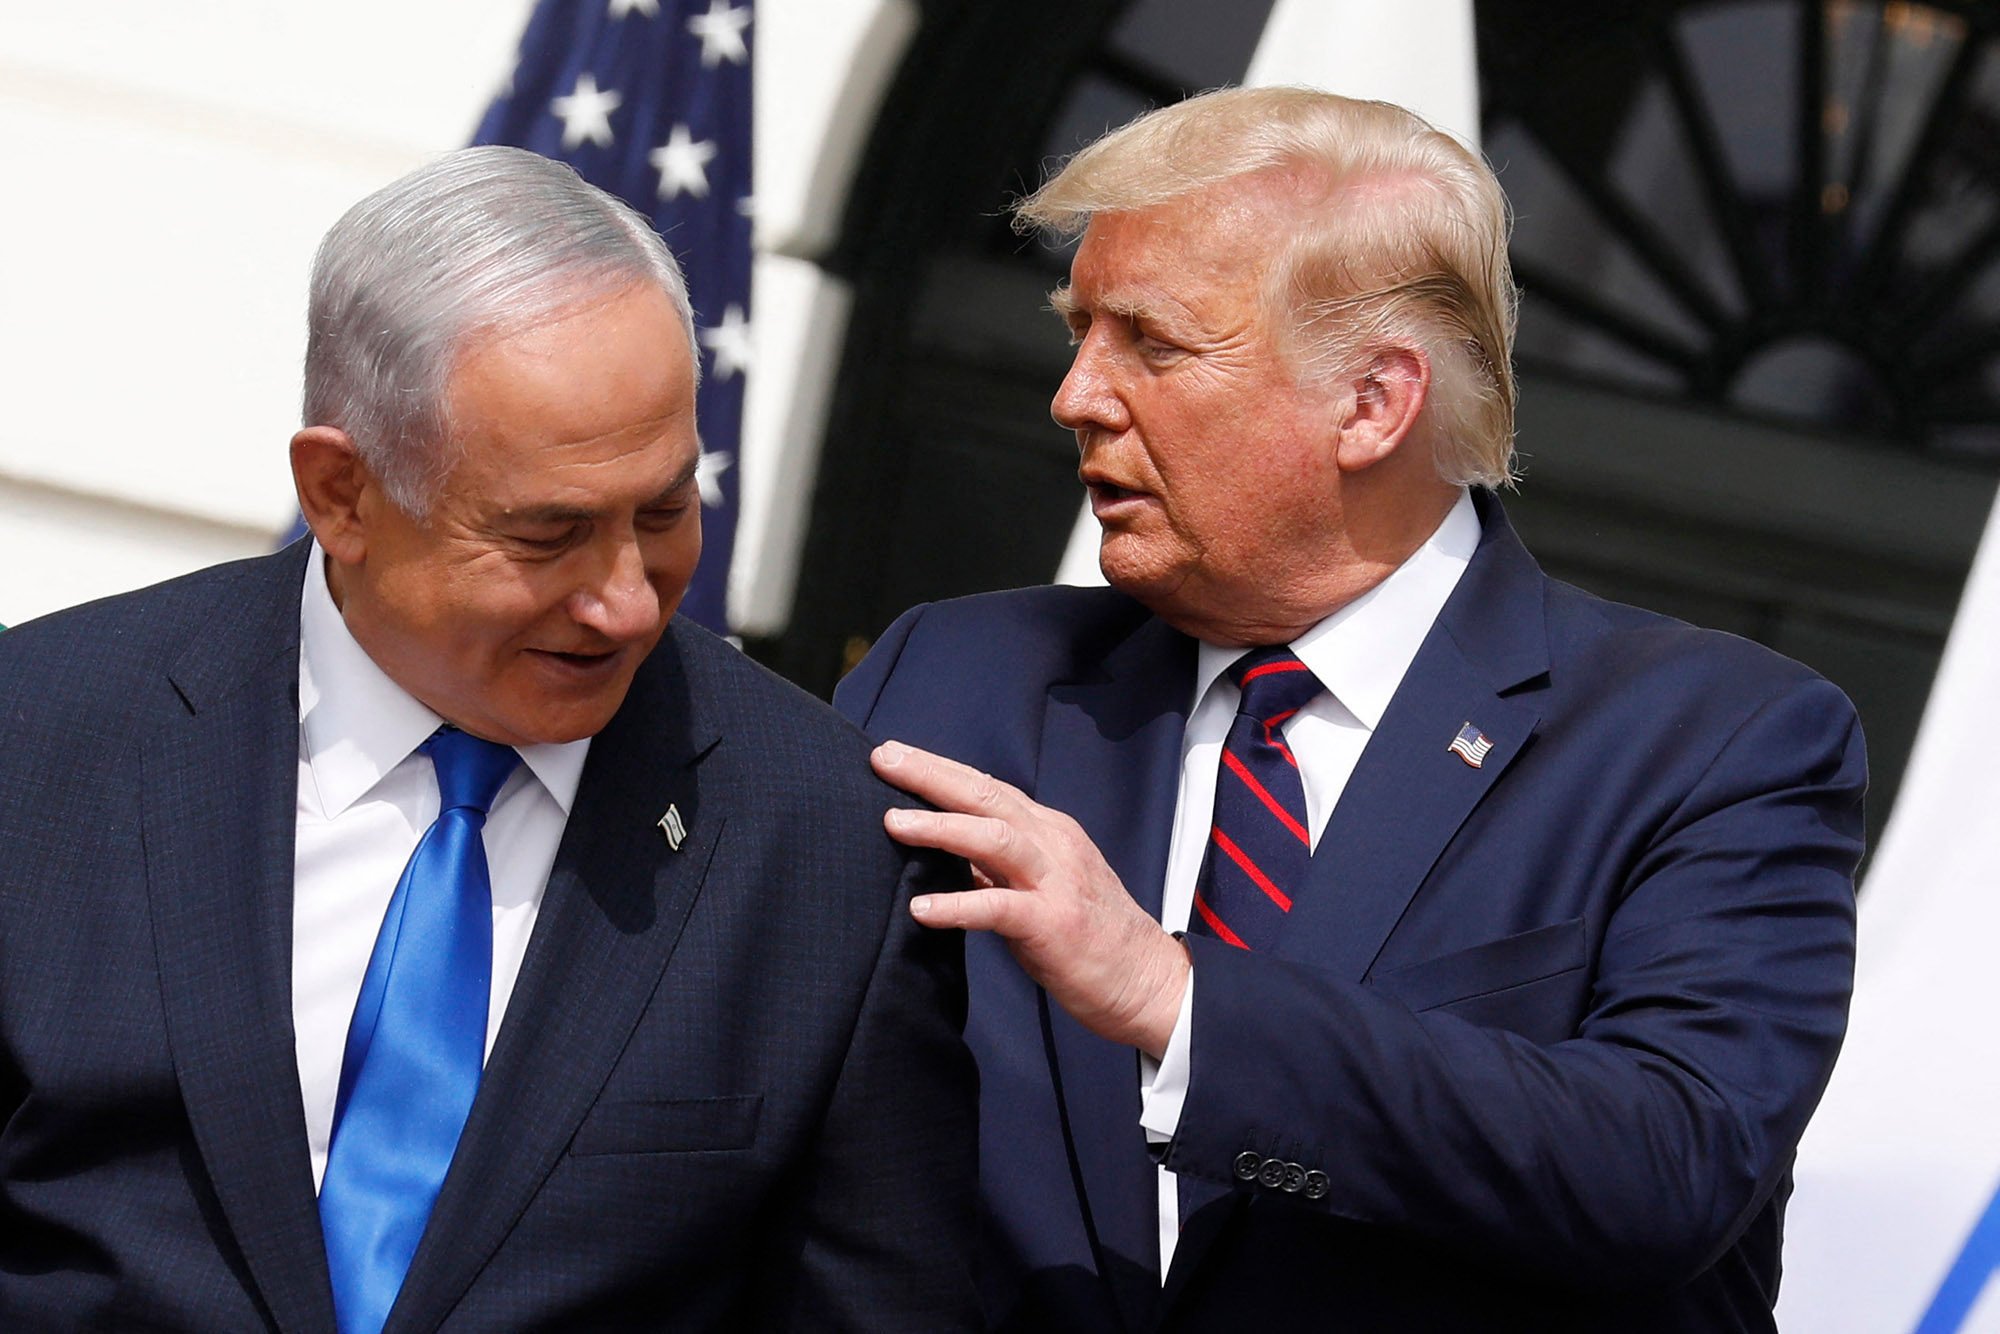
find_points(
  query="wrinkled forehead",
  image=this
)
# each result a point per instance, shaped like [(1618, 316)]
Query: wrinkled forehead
[(1212, 241)]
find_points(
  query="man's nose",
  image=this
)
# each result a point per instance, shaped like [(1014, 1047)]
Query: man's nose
[(619, 601), (1088, 398)]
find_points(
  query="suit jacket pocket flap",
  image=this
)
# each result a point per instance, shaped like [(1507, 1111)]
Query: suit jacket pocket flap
[(678, 1125), (1496, 965)]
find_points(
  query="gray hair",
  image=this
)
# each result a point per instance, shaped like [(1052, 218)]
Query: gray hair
[(1409, 245), (481, 242)]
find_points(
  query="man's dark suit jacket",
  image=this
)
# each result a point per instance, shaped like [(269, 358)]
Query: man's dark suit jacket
[(729, 1091), (1550, 1027)]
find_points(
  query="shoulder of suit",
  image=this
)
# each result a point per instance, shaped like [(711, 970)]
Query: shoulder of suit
[(738, 690), (1594, 637), (102, 667), (1065, 627), (147, 625)]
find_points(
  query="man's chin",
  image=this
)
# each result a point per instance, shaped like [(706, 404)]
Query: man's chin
[(541, 716), (559, 725), (1129, 566)]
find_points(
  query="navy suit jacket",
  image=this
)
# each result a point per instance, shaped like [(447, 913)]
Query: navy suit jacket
[(729, 1091), (1550, 1026)]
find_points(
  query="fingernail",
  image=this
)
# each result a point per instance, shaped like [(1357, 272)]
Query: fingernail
[(891, 753), (920, 906)]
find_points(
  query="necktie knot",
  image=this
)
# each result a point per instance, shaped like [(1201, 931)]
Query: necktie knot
[(1275, 684), (470, 771)]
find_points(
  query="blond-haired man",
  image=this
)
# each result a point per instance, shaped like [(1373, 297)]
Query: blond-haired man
[(1517, 924)]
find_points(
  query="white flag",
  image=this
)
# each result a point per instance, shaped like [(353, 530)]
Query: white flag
[(1895, 1225)]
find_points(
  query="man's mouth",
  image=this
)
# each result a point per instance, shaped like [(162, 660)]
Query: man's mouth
[(1106, 496), (582, 663)]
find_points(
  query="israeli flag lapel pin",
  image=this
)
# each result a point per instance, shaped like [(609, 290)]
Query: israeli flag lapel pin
[(670, 825)]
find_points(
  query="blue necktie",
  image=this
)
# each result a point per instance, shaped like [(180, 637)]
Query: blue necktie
[(417, 1042), (1259, 846)]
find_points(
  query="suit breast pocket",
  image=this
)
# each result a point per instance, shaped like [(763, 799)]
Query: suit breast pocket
[(1534, 983), (673, 1125)]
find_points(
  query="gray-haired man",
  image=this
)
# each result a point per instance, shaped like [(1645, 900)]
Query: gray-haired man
[(418, 928)]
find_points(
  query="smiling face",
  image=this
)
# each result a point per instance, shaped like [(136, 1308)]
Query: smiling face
[(1212, 470), (563, 538)]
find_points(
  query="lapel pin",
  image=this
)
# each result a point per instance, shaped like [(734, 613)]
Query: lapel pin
[(1470, 745), (671, 826)]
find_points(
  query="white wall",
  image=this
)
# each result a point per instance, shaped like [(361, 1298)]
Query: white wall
[(171, 164)]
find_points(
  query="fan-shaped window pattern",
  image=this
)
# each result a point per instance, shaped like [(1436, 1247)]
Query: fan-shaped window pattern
[(1791, 209)]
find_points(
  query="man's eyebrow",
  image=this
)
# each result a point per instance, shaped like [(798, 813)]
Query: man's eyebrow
[(556, 513), (1068, 308), (681, 482), (550, 514)]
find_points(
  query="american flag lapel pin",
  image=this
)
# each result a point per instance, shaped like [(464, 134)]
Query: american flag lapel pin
[(671, 826), (1470, 745)]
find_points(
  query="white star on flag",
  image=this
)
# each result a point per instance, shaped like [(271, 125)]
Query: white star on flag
[(620, 8), (682, 162), (730, 342), (586, 113), (721, 34), (708, 472)]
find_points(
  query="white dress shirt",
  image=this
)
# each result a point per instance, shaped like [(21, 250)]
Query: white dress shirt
[(1360, 654), (366, 795)]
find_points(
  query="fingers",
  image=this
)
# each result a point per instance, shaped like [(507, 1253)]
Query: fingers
[(944, 783), (997, 848), (996, 910)]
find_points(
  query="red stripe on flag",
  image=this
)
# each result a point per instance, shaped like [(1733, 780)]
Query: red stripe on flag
[(1263, 794), (1262, 881), (1217, 925)]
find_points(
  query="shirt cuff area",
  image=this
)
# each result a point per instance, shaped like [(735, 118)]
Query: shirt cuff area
[(1163, 1083)]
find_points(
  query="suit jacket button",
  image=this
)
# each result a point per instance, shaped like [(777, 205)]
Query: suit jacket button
[(1272, 1173), (1247, 1164), (1295, 1178), (1317, 1184)]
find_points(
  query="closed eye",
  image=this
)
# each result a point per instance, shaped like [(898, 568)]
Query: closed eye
[(548, 542), (658, 518)]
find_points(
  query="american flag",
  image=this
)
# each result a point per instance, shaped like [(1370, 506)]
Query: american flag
[(1470, 745), (650, 100)]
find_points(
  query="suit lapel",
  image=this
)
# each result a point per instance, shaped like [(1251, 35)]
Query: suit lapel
[(1110, 758), (616, 901), (1409, 793), (218, 791)]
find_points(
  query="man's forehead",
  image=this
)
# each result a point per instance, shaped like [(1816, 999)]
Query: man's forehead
[(555, 495), (1152, 262)]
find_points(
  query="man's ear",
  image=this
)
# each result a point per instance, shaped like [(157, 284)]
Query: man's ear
[(1388, 394), (331, 481)]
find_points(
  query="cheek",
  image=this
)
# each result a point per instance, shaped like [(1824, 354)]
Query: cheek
[(671, 556), (494, 614)]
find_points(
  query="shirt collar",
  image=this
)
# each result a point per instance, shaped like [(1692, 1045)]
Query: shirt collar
[(1361, 652), (358, 724)]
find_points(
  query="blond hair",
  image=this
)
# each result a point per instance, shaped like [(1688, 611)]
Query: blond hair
[(1409, 248)]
